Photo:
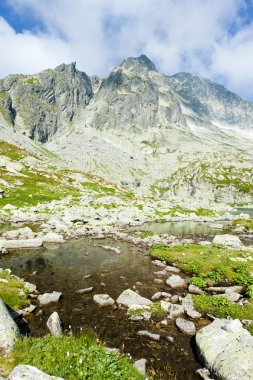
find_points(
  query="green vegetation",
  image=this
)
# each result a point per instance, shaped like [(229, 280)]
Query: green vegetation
[(12, 290), (155, 309), (37, 187), (245, 223), (73, 358), (32, 81), (97, 187), (146, 234), (12, 151), (220, 307), (210, 265)]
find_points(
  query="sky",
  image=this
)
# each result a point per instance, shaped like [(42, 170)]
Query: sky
[(211, 38)]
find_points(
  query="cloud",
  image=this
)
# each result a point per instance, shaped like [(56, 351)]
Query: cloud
[(206, 37)]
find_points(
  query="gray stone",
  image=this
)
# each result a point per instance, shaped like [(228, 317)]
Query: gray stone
[(194, 289), (226, 349), (149, 335), (129, 297), (227, 240), (9, 331), (53, 237), (175, 281), (27, 243), (54, 325), (186, 327), (85, 290), (30, 287), (47, 298), (28, 372), (141, 365), (103, 299)]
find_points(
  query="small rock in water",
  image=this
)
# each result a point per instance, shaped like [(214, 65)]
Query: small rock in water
[(149, 335), (186, 327), (175, 298), (103, 299), (54, 325), (128, 298), (204, 374), (158, 281), (159, 263), (46, 298), (156, 296), (175, 281), (172, 269), (141, 365), (86, 290)]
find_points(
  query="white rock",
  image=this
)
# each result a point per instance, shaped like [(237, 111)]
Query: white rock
[(103, 299), (194, 289), (175, 281), (53, 237), (46, 298), (54, 324), (226, 240), (226, 349), (149, 335), (129, 297), (28, 372), (9, 331), (186, 327), (141, 365), (30, 287), (27, 243)]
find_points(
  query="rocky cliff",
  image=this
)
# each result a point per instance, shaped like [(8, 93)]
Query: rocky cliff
[(179, 136)]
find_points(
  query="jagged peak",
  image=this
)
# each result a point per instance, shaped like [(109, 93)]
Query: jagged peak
[(71, 67), (139, 62)]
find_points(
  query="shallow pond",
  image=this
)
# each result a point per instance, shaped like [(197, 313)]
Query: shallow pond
[(243, 210), (66, 269), (180, 228)]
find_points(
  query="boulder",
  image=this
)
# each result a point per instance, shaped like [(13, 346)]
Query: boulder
[(53, 237), (129, 297), (229, 241), (175, 281), (9, 331), (26, 243), (54, 325), (194, 289), (28, 372), (226, 349), (47, 298), (103, 299), (186, 327)]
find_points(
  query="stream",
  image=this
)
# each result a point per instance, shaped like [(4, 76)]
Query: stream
[(66, 268)]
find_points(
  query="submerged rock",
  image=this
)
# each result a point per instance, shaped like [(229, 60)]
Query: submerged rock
[(9, 331), (103, 299), (226, 349), (28, 372), (54, 324), (129, 297), (149, 335)]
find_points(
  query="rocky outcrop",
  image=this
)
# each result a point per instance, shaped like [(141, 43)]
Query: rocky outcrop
[(54, 324), (9, 331), (42, 104), (226, 349), (29, 372)]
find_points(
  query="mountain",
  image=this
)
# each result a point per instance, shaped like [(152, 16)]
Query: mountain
[(180, 137)]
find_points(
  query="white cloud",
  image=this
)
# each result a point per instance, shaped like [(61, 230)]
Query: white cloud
[(178, 35)]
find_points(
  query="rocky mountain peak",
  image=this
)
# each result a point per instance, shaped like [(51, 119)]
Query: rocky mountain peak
[(139, 63), (68, 68)]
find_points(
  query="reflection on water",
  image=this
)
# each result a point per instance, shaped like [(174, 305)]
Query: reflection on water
[(84, 263), (179, 228), (243, 210)]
